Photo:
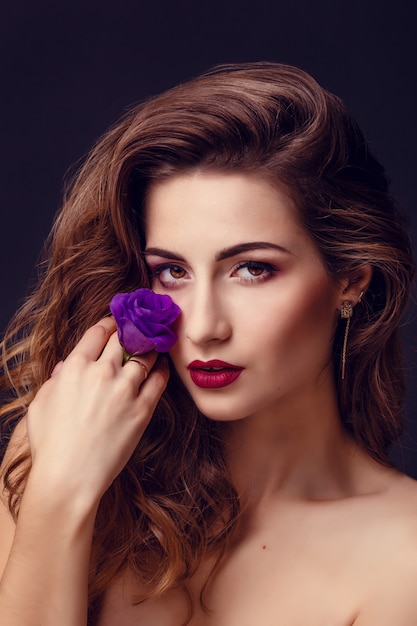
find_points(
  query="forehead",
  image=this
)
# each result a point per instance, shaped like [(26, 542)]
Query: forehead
[(226, 207)]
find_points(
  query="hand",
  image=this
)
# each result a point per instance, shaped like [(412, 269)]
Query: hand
[(87, 419)]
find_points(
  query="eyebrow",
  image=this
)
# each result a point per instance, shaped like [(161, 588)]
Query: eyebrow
[(224, 253)]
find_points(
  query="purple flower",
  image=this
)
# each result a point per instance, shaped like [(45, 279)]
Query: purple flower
[(143, 321)]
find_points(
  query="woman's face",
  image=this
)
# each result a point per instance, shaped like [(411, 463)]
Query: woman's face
[(259, 310)]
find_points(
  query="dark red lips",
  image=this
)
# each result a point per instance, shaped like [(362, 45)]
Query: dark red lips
[(213, 374)]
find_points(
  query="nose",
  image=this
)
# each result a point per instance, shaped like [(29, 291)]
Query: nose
[(206, 318)]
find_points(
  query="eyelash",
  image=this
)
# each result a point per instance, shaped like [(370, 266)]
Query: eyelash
[(267, 271)]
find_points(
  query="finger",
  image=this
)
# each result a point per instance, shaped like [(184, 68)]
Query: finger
[(93, 341), (141, 364), (154, 386), (138, 367), (113, 350)]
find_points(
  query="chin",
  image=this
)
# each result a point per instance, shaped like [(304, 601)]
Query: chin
[(220, 411)]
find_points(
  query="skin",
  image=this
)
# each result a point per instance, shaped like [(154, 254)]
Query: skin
[(89, 407), (327, 537)]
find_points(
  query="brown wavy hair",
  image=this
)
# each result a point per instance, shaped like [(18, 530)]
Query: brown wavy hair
[(174, 503)]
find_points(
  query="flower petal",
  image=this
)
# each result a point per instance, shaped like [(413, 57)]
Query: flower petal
[(144, 319)]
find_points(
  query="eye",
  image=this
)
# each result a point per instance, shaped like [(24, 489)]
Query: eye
[(168, 275), (174, 271), (254, 271)]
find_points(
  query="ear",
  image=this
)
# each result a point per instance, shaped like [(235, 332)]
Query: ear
[(355, 284)]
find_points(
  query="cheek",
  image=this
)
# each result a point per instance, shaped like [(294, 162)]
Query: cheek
[(303, 323), (177, 352)]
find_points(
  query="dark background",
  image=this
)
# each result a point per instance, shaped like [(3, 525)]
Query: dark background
[(70, 68)]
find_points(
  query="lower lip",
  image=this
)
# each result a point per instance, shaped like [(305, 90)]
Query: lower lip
[(214, 379)]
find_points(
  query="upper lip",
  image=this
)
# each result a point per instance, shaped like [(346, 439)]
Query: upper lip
[(214, 363)]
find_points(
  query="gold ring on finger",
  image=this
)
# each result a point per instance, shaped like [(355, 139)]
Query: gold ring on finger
[(139, 362)]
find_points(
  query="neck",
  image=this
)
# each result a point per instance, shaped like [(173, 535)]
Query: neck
[(297, 450)]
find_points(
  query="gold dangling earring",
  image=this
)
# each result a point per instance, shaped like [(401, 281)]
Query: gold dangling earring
[(345, 313)]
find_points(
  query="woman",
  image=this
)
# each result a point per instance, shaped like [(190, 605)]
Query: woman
[(256, 488)]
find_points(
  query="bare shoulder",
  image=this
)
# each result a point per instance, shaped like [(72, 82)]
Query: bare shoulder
[(401, 497), (401, 519), (391, 566), (395, 509)]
